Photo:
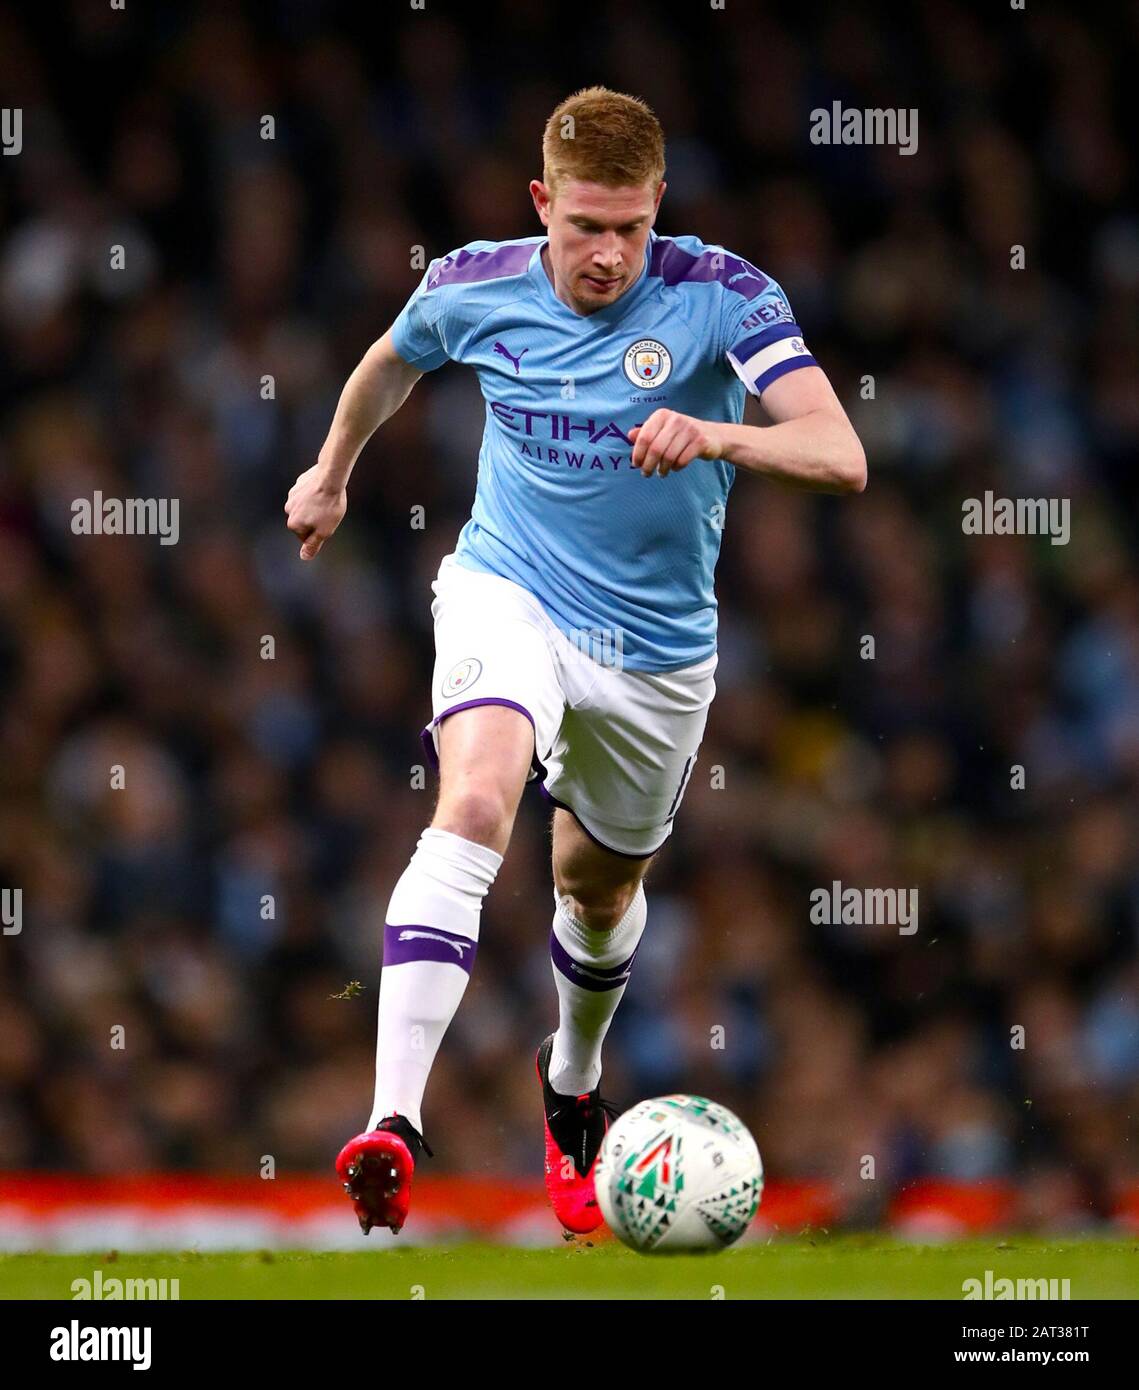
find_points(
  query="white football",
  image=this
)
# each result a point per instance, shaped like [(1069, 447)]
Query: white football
[(678, 1173)]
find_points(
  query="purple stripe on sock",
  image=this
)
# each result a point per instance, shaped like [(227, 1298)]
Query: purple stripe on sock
[(594, 977), (411, 942)]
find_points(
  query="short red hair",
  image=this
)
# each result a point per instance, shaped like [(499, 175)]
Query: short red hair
[(600, 136)]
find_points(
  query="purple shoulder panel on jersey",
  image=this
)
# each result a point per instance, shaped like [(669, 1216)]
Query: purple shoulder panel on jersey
[(673, 264), (468, 267)]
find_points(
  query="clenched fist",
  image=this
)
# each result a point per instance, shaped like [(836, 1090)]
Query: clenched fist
[(668, 441), (314, 509)]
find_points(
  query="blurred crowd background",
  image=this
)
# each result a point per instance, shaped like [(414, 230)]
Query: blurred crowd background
[(294, 777)]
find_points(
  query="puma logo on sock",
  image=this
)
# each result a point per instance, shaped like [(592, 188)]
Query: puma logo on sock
[(459, 946)]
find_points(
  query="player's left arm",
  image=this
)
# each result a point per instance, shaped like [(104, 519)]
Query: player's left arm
[(809, 444)]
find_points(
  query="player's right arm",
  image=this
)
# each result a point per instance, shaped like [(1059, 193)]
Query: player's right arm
[(377, 388)]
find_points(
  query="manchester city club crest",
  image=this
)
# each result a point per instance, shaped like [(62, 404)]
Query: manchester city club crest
[(462, 675), (648, 363)]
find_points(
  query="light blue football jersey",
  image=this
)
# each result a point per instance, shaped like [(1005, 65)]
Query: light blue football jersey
[(559, 507)]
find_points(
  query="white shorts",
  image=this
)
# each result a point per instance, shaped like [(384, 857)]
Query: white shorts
[(615, 748)]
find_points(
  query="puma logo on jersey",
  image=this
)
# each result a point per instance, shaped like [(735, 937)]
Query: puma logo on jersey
[(505, 352)]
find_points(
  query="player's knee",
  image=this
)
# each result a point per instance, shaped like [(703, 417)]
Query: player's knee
[(481, 814), (601, 905)]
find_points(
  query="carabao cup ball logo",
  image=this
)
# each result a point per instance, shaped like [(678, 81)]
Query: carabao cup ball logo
[(462, 675), (648, 363)]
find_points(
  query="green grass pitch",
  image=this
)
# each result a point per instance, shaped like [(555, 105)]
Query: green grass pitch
[(858, 1266)]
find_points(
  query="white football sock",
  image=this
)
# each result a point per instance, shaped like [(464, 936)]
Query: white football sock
[(591, 970), (430, 939)]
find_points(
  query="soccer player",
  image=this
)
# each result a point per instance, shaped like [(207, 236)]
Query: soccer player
[(575, 620)]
